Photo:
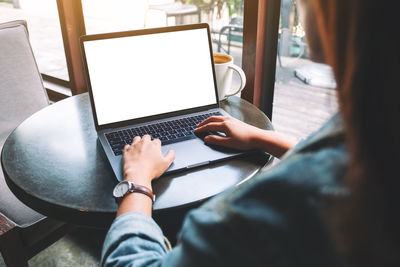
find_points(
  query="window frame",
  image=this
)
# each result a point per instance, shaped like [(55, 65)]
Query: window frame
[(260, 43), (260, 38)]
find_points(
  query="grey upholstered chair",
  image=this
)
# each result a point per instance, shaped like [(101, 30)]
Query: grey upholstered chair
[(23, 232)]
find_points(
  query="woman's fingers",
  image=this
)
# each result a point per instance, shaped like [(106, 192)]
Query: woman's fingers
[(157, 141), (146, 137), (135, 140), (169, 157), (217, 140), (213, 126), (211, 119)]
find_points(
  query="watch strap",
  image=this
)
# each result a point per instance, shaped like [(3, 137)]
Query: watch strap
[(135, 188)]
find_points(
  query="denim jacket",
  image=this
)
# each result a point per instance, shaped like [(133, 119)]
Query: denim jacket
[(272, 219)]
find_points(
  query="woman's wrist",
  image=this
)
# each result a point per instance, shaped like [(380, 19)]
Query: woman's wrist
[(257, 139), (139, 179), (135, 202)]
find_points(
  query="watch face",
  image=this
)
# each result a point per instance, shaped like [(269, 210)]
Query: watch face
[(121, 189)]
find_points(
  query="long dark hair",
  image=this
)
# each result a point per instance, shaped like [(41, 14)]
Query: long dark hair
[(361, 42)]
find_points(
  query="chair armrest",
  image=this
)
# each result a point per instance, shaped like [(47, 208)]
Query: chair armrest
[(236, 28), (5, 224)]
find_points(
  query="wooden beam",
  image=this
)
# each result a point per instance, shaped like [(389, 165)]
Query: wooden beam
[(254, 31), (5, 224), (260, 38), (250, 25), (268, 52), (260, 43), (55, 96), (72, 27)]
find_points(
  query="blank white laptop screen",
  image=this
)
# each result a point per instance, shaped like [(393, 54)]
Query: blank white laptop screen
[(139, 76)]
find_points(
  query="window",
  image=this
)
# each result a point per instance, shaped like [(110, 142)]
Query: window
[(304, 95), (44, 31), (121, 15)]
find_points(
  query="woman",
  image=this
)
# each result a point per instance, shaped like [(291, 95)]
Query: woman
[(332, 199)]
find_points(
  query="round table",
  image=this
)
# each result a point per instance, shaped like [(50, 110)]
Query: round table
[(54, 164)]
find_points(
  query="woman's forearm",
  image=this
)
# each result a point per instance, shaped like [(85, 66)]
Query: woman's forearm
[(273, 142)]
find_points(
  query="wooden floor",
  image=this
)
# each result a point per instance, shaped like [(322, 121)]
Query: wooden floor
[(299, 109)]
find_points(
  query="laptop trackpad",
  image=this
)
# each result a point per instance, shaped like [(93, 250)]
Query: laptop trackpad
[(194, 153)]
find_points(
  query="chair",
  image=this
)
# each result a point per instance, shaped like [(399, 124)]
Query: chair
[(175, 9), (233, 32), (23, 232)]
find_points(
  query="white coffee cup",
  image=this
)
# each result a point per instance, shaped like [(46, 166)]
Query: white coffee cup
[(224, 68)]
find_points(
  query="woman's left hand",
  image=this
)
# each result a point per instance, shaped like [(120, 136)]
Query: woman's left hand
[(143, 160)]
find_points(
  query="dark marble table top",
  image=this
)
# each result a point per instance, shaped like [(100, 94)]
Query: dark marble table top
[(55, 165)]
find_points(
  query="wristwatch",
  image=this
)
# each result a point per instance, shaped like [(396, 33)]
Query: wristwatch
[(126, 187)]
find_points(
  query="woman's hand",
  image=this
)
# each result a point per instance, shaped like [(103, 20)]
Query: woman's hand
[(143, 161), (240, 135)]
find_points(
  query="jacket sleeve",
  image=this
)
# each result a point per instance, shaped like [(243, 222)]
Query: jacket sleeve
[(134, 239)]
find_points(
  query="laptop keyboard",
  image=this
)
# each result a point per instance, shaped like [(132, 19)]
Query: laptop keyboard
[(168, 132)]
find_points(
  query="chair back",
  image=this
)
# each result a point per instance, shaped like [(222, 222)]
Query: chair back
[(21, 94), (21, 87)]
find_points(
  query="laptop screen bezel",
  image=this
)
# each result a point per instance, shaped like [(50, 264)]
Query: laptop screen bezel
[(119, 124)]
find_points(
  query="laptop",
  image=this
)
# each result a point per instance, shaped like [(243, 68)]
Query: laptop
[(157, 81)]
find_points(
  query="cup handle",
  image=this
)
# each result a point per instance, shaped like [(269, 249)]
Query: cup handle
[(242, 79)]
